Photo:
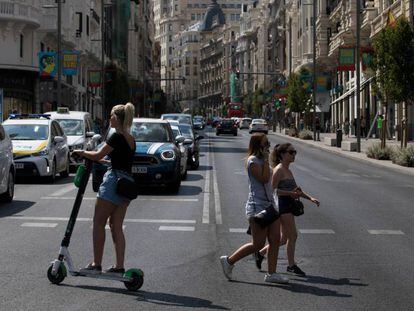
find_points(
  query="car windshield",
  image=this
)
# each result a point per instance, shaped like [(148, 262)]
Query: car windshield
[(27, 131), (227, 122), (72, 127), (186, 130), (199, 119), (259, 121), (180, 118), (154, 132)]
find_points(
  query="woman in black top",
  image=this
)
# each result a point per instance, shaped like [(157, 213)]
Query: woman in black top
[(120, 147)]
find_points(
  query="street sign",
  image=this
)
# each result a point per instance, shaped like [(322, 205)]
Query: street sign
[(1, 105)]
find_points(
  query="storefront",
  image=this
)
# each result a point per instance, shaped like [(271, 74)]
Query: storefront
[(19, 91)]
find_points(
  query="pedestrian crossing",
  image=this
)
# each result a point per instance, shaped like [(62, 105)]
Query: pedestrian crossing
[(181, 225)]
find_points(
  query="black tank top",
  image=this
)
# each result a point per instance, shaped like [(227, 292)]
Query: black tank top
[(122, 155)]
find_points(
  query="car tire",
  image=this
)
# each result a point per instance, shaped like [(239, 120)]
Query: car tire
[(65, 173), (235, 134), (7, 197), (175, 186), (195, 164), (51, 179)]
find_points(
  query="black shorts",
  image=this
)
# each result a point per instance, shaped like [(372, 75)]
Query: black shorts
[(285, 204)]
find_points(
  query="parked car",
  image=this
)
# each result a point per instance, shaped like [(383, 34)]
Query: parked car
[(7, 169), (78, 127), (192, 143), (258, 125), (199, 123), (180, 117), (245, 123), (183, 150), (226, 126), (157, 159), (39, 146)]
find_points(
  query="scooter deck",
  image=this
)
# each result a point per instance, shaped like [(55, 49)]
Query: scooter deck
[(105, 276)]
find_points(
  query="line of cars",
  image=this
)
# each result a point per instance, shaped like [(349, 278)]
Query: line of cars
[(40, 145), (230, 126)]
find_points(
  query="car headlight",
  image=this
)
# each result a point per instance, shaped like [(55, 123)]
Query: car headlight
[(168, 155), (43, 152)]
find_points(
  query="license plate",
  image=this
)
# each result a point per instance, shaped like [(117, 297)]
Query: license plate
[(139, 169), (19, 166)]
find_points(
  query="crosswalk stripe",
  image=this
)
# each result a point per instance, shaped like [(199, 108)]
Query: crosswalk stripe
[(139, 199), (316, 231), (175, 228), (237, 230), (38, 225), (390, 232), (130, 220)]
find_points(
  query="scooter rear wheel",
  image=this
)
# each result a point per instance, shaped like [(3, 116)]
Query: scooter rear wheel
[(137, 279), (60, 275)]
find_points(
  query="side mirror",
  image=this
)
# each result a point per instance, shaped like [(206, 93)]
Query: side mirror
[(188, 141), (96, 138), (200, 137), (179, 139), (58, 139), (90, 134)]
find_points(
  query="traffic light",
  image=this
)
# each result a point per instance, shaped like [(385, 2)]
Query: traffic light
[(277, 104), (238, 74)]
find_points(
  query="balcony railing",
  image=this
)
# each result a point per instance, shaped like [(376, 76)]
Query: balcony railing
[(21, 12)]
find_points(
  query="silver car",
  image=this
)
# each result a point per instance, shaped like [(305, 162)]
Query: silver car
[(7, 168)]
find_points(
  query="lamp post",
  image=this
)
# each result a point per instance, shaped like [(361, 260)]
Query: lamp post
[(103, 58), (358, 75), (314, 69)]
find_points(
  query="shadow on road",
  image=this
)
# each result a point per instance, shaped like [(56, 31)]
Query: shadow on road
[(301, 288), (228, 150), (315, 279), (184, 190), (15, 207), (162, 299), (193, 177), (205, 168)]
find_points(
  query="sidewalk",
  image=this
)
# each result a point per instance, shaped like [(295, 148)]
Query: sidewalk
[(362, 157)]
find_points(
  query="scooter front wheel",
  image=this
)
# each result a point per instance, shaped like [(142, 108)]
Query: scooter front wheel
[(60, 275), (137, 279)]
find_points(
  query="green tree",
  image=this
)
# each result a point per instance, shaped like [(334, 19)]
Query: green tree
[(257, 102), (393, 64), (297, 97)]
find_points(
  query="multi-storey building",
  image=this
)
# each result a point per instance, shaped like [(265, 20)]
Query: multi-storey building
[(173, 16)]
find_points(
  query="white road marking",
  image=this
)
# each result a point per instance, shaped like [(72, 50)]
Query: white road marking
[(168, 200), (237, 230), (66, 198), (391, 232), (316, 231), (107, 227), (64, 190), (131, 220), (206, 201), (217, 203), (38, 225), (175, 228)]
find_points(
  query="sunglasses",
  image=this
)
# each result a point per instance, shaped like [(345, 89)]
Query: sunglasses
[(292, 152)]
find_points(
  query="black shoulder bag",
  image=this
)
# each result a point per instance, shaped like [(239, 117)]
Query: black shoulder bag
[(126, 188), (297, 207)]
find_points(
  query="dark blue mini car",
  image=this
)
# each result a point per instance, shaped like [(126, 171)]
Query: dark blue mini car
[(157, 156)]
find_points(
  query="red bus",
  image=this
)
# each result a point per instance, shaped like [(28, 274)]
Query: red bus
[(235, 110)]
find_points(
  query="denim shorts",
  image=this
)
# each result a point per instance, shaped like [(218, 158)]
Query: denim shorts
[(107, 190)]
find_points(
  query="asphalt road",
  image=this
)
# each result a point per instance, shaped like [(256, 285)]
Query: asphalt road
[(356, 248)]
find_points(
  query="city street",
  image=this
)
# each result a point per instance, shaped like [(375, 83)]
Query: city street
[(356, 248)]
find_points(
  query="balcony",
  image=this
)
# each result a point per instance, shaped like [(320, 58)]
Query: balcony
[(398, 8), (19, 12)]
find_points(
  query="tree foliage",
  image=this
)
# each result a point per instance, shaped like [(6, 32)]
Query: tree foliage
[(297, 97), (394, 61)]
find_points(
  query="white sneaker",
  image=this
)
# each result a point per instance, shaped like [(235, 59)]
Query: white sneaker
[(227, 268), (276, 278)]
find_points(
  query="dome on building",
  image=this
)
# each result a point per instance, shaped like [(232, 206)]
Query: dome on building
[(214, 17)]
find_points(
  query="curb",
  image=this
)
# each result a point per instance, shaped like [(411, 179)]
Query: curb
[(374, 162)]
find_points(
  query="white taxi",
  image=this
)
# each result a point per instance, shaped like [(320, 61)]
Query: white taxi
[(7, 171), (78, 127), (39, 146)]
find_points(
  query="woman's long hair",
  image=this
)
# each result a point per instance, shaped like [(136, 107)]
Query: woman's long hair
[(276, 155), (125, 114), (255, 146)]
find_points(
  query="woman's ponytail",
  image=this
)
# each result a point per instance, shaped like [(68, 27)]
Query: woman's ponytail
[(129, 115)]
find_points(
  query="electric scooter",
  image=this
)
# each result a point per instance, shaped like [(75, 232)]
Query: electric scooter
[(132, 278)]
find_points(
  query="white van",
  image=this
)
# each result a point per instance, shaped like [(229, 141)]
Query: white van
[(78, 128)]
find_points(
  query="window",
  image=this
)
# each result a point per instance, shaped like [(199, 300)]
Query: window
[(196, 5), (193, 17), (170, 51), (170, 38), (79, 29), (237, 17), (87, 25), (195, 61), (21, 45), (42, 46), (198, 16), (189, 5), (176, 7), (170, 27)]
